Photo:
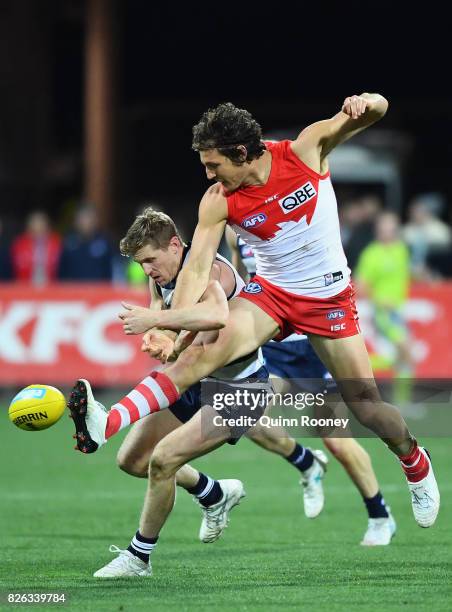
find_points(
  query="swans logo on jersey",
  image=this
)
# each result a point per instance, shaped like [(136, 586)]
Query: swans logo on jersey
[(254, 220), (335, 314), (298, 197), (253, 288)]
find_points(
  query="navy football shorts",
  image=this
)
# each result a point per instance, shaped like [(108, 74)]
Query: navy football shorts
[(297, 362), (201, 394)]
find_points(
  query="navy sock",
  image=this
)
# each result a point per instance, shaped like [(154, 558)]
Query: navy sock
[(207, 490), (301, 458), (376, 506), (142, 547)]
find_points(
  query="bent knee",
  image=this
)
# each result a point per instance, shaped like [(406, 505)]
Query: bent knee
[(164, 463), (132, 464)]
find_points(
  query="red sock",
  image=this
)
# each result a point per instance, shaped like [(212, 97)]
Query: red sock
[(154, 393), (415, 464)]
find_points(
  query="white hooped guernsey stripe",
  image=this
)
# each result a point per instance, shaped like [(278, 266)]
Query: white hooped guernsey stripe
[(156, 389), (123, 413), (138, 398), (138, 403)]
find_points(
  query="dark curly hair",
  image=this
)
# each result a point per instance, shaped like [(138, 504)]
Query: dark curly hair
[(225, 128)]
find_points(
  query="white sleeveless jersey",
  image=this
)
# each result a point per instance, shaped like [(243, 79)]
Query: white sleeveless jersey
[(292, 226), (241, 368)]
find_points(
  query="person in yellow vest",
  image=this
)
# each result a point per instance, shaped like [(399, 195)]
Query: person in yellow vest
[(383, 276)]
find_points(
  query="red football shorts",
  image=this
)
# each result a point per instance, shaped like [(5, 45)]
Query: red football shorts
[(333, 317)]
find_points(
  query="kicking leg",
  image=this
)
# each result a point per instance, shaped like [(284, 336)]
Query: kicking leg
[(247, 328)]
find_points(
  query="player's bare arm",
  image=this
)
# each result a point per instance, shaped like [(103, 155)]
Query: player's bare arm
[(316, 141), (211, 312), (194, 277), (138, 319)]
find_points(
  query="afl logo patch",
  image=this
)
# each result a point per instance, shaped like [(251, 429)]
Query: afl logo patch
[(335, 314), (254, 220), (253, 288)]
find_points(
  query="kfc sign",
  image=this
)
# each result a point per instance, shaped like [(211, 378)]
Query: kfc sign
[(62, 333)]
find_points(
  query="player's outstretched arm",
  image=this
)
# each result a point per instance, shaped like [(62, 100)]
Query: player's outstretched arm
[(194, 276), (211, 312), (357, 113)]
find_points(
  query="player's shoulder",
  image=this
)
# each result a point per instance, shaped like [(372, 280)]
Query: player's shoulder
[(214, 202), (215, 193), (278, 147)]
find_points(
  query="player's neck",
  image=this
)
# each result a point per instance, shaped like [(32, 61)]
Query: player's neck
[(259, 171)]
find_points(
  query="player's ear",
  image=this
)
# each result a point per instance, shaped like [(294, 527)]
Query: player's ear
[(174, 243), (243, 153)]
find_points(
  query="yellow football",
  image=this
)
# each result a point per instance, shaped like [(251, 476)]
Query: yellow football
[(37, 407)]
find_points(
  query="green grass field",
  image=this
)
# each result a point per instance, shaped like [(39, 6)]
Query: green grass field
[(61, 510)]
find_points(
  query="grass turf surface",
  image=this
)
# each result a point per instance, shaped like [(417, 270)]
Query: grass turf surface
[(61, 510)]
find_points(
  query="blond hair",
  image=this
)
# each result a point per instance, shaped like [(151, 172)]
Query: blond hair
[(150, 227)]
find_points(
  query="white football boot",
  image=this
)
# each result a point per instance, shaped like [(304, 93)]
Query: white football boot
[(380, 531), (124, 565), (216, 517), (90, 417), (311, 481), (425, 497)]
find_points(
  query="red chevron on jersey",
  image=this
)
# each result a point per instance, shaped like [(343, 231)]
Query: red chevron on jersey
[(297, 198), (291, 224)]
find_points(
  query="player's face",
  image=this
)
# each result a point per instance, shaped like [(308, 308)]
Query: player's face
[(161, 265), (222, 170)]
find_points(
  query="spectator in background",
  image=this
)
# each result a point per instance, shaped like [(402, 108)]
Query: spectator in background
[(87, 252), (6, 273), (383, 276), (357, 218), (36, 252), (425, 233)]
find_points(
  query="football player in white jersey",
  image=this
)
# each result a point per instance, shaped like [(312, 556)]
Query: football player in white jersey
[(293, 363), (279, 197), (154, 241)]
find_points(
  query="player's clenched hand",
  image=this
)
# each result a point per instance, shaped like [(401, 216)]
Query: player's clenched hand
[(136, 319), (355, 106), (157, 344)]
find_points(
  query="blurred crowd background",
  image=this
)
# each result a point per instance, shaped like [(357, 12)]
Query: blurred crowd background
[(43, 250)]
